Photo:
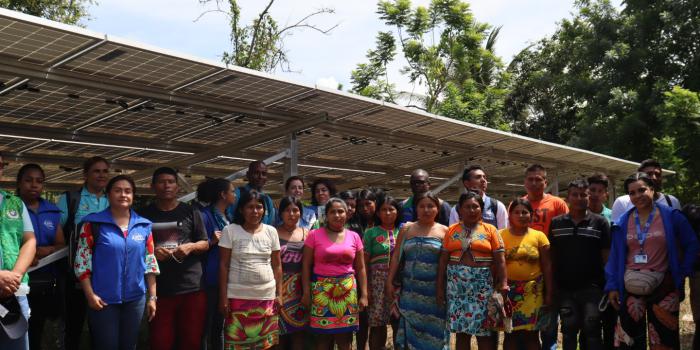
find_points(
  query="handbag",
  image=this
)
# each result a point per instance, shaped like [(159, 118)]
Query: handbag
[(642, 282)]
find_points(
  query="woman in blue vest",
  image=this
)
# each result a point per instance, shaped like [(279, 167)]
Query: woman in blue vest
[(46, 221), (115, 263), (653, 251), (218, 194)]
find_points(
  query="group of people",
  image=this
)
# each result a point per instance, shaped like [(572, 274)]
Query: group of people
[(235, 270)]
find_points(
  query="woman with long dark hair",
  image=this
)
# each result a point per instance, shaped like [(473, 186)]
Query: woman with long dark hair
[(322, 190), (422, 323), (529, 271), (472, 266), (332, 258), (46, 283), (379, 242), (250, 277), (218, 194), (653, 251)]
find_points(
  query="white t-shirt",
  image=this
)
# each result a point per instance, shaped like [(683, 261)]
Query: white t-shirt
[(623, 204), (250, 274)]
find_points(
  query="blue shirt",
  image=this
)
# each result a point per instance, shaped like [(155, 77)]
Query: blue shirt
[(89, 203)]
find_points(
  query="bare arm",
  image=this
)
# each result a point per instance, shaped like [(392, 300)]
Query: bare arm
[(500, 278), (306, 263), (441, 277), (224, 261), (26, 254), (361, 274), (59, 242), (546, 266), (277, 271), (394, 263), (151, 304)]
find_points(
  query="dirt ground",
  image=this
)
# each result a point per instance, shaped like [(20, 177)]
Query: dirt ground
[(686, 325)]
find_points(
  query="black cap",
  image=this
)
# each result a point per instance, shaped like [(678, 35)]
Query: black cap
[(13, 323)]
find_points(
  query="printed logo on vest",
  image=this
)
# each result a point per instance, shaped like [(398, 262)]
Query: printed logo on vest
[(13, 214), (138, 237), (49, 224)]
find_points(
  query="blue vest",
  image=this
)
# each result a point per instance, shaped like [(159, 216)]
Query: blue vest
[(118, 262), (45, 222)]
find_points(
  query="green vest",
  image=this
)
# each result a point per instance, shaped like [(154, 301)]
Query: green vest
[(11, 231)]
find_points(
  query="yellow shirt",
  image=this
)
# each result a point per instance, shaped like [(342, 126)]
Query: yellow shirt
[(523, 254)]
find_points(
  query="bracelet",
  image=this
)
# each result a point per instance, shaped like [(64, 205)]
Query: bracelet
[(176, 259), (153, 298)]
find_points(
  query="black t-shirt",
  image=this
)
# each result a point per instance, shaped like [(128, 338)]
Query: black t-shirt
[(170, 229), (577, 259)]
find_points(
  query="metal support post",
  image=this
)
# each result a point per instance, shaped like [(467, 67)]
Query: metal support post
[(447, 183), (291, 164)]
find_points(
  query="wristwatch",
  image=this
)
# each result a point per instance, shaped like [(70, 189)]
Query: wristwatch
[(153, 298)]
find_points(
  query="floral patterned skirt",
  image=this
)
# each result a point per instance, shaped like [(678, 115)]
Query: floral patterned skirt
[(379, 306), (526, 297), (250, 324), (293, 315), (334, 307), (468, 292)]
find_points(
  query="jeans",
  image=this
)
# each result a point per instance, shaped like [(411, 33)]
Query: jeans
[(116, 326), (23, 342), (579, 312), (214, 324)]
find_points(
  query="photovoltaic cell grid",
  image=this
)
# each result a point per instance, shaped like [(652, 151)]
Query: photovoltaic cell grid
[(31, 43), (321, 101), (52, 105), (230, 131), (42, 44), (244, 88), (148, 158), (386, 118), (139, 66), (76, 150), (159, 121)]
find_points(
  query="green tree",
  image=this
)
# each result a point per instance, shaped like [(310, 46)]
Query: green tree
[(448, 53), (260, 45), (600, 82), (65, 11)]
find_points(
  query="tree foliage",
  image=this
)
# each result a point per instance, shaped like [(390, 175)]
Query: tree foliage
[(65, 11), (616, 81), (260, 45), (448, 53)]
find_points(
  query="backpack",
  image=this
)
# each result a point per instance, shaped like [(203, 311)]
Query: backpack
[(70, 230), (494, 208)]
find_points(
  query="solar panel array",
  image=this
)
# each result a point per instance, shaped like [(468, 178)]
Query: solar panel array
[(67, 93)]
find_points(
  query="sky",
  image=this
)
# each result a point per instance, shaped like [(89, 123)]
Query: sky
[(316, 59)]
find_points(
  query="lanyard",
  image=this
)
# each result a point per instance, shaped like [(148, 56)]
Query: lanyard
[(642, 233)]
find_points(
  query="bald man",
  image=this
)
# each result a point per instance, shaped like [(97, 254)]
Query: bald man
[(420, 183)]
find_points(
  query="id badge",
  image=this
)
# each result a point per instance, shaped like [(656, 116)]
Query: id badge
[(640, 259)]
